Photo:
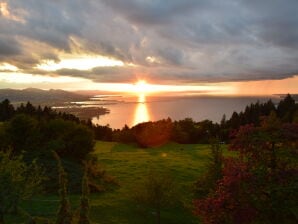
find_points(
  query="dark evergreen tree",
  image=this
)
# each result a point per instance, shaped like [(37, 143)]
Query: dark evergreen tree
[(157, 191), (30, 109), (286, 109), (23, 133), (234, 122), (267, 108), (6, 110), (20, 108), (103, 132), (64, 215), (84, 205), (207, 182), (223, 121)]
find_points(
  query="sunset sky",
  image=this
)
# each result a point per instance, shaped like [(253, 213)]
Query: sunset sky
[(207, 46)]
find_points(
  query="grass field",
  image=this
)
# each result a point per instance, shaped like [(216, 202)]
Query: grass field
[(128, 164)]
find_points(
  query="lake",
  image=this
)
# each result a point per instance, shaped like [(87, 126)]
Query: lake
[(131, 110)]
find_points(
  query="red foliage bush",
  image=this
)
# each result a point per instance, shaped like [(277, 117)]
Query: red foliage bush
[(261, 184)]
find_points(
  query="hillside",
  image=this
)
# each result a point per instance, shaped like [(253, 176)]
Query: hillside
[(39, 96), (128, 164)]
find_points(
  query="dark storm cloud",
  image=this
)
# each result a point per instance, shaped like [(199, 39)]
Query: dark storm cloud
[(101, 74), (277, 21), (172, 55), (51, 22), (170, 40), (8, 47), (153, 12)]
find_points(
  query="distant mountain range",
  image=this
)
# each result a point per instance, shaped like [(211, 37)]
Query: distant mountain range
[(40, 96)]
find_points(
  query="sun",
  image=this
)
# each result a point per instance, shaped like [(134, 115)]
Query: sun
[(142, 86)]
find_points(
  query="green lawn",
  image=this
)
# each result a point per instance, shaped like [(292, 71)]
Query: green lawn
[(128, 164)]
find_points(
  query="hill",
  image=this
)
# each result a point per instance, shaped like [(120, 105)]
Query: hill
[(128, 164), (40, 96)]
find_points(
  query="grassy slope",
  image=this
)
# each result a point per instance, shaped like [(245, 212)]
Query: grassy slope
[(128, 164)]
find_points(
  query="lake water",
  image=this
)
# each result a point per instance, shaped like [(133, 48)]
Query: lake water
[(131, 110)]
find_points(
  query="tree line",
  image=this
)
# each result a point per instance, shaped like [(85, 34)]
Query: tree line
[(188, 131), (35, 132)]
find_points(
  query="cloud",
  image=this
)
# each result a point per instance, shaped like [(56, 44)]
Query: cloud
[(153, 12), (8, 46), (169, 41), (100, 74)]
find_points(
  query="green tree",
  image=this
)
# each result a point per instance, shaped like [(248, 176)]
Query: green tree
[(64, 215), (68, 139), (23, 133), (150, 134), (6, 110), (4, 141), (79, 142), (18, 181), (286, 108), (260, 184), (157, 192), (208, 180), (84, 205)]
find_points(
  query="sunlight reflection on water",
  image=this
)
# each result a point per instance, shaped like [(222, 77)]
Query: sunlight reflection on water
[(143, 107), (141, 112)]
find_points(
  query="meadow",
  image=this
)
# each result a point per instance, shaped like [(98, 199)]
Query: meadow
[(129, 164)]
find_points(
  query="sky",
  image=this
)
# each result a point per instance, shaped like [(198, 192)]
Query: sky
[(212, 46)]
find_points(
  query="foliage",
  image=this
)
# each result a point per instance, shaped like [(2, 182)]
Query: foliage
[(23, 134), (98, 178), (18, 181), (102, 132), (207, 182), (125, 135), (229, 201), (151, 134), (84, 205), (261, 184), (185, 131), (36, 137), (64, 215), (27, 132), (6, 110), (77, 140), (73, 169), (68, 139), (189, 131), (286, 109), (157, 192)]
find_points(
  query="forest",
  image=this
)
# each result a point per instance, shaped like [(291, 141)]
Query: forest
[(249, 173)]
